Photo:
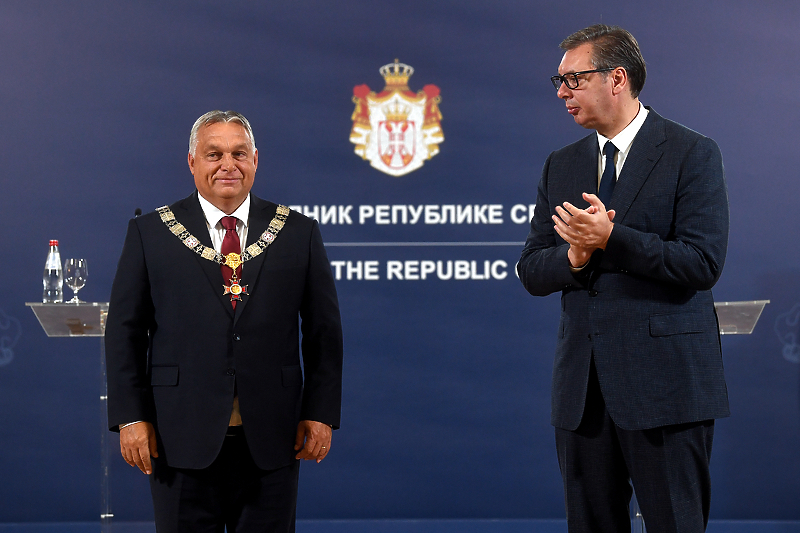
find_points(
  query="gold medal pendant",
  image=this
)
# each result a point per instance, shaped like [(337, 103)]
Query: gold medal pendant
[(233, 260), (235, 289)]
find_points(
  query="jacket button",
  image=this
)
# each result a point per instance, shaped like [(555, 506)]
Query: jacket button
[(231, 372), (236, 337), (592, 292)]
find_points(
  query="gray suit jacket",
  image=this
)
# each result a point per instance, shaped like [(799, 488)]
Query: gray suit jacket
[(643, 307)]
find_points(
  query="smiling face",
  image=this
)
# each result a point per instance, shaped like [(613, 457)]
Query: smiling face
[(591, 104), (224, 164)]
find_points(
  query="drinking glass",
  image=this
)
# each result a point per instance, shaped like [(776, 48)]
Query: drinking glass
[(75, 274)]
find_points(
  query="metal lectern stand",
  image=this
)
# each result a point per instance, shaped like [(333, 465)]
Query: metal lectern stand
[(735, 318), (84, 319)]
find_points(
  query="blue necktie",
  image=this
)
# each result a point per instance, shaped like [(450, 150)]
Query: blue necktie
[(609, 179)]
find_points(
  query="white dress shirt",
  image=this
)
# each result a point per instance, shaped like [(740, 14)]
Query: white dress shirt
[(215, 229), (623, 141)]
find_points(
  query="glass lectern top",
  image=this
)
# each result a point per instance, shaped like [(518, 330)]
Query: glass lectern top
[(739, 317), (85, 319)]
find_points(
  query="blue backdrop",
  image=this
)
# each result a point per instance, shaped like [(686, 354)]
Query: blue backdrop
[(446, 399)]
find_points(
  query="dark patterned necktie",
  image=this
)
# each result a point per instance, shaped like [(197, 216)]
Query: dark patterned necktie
[(609, 179), (230, 244)]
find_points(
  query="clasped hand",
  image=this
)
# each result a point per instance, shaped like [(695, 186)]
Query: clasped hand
[(585, 230)]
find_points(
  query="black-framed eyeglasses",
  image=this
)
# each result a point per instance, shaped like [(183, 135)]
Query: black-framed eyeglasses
[(570, 79)]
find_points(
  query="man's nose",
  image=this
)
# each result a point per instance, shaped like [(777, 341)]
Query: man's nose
[(563, 91), (227, 161)]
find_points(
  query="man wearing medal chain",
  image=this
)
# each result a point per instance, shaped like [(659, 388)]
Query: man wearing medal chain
[(205, 383)]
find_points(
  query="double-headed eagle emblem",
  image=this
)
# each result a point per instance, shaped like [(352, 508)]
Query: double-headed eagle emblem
[(397, 130)]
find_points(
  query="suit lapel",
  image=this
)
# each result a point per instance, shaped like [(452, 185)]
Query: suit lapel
[(587, 177), (258, 219), (641, 160), (582, 172), (189, 213)]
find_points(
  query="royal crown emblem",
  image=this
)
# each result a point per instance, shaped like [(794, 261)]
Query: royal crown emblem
[(397, 130)]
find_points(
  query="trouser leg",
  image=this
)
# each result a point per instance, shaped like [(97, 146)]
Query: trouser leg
[(669, 467), (232, 493), (596, 487)]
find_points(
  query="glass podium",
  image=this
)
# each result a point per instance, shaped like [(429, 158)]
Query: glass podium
[(735, 318), (84, 319)]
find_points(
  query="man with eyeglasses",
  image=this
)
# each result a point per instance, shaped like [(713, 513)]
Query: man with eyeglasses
[(631, 225)]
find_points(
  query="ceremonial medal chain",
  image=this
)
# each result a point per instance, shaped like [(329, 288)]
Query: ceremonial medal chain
[(231, 260)]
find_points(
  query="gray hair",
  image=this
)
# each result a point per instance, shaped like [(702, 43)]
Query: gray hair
[(612, 47), (214, 117)]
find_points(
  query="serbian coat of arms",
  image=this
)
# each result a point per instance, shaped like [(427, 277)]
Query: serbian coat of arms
[(397, 130)]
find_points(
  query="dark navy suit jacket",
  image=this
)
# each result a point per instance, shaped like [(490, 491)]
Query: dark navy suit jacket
[(175, 347), (643, 307)]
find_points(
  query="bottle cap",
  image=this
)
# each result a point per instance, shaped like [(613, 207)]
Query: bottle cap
[(53, 242)]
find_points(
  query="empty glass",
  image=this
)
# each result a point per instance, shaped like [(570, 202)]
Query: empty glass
[(75, 274)]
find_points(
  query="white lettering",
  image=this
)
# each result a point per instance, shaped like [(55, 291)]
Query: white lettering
[(479, 214), (427, 267), (328, 215), (409, 214), (356, 270), (337, 269), (371, 271), (474, 270), (366, 270), (415, 214), (432, 214), (464, 214), (448, 209), (446, 274), (411, 269), (462, 270), (499, 274), (515, 217), (365, 212), (394, 269), (381, 214), (496, 214), (344, 214), (403, 214)]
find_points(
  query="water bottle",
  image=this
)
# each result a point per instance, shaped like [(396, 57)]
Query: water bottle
[(53, 279)]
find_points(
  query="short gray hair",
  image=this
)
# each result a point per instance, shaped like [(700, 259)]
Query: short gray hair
[(214, 117)]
